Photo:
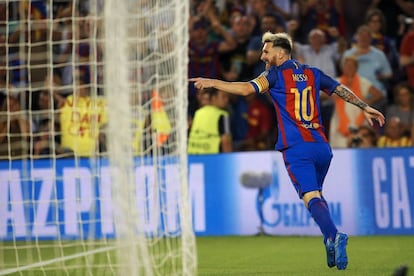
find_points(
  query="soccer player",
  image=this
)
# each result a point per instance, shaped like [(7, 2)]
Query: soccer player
[(294, 89)]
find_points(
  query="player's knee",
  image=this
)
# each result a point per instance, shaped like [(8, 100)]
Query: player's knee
[(307, 197)]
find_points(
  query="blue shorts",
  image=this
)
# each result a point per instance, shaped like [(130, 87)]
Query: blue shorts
[(307, 165)]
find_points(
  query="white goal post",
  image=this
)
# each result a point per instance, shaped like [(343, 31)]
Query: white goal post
[(93, 135)]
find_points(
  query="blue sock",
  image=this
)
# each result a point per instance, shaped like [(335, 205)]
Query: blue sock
[(320, 213), (327, 206)]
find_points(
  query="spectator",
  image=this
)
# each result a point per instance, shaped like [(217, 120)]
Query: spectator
[(372, 63), (14, 127), (258, 9), (394, 135), (376, 21), (204, 53), (407, 54), (81, 117), (403, 106), (394, 11), (289, 9), (362, 137), (234, 62), (269, 22), (319, 14), (319, 53), (31, 38), (346, 117), (210, 130)]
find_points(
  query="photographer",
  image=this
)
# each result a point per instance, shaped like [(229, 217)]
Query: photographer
[(362, 137)]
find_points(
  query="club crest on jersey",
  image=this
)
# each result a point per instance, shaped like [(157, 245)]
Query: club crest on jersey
[(310, 125), (299, 77)]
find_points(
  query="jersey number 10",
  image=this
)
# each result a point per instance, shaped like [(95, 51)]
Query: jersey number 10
[(304, 104)]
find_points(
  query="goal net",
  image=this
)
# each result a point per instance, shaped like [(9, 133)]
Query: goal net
[(93, 133)]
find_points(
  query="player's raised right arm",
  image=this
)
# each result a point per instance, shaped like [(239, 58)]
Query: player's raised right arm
[(237, 88)]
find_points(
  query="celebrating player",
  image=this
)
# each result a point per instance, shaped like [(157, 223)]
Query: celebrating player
[(294, 89)]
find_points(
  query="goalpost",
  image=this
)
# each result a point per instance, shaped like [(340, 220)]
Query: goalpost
[(93, 134)]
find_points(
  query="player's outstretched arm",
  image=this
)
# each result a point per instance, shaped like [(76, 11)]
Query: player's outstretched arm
[(369, 112), (237, 88)]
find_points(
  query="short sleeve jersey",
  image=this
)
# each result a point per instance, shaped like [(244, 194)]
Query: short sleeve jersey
[(294, 89)]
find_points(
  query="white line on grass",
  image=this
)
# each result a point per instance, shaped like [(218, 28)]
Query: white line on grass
[(44, 263)]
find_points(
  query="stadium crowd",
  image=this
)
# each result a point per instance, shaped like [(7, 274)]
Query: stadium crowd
[(366, 45)]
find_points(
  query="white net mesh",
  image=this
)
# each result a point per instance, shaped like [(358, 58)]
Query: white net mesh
[(93, 169)]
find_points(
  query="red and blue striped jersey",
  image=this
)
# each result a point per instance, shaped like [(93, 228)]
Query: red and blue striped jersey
[(294, 88)]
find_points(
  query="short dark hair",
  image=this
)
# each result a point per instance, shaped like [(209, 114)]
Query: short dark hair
[(282, 43), (211, 91)]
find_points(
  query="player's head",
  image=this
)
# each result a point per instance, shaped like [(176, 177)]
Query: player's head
[(277, 48), (217, 97)]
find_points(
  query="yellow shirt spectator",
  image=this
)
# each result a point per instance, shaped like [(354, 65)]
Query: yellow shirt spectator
[(81, 118), (394, 135)]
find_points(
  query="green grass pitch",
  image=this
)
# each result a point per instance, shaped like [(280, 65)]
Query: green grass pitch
[(234, 255), (291, 255)]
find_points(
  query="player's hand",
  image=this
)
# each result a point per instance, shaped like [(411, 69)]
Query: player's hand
[(201, 83), (373, 114)]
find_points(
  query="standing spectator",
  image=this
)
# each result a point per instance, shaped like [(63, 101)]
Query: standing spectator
[(210, 130), (407, 54), (235, 68), (376, 21), (289, 9), (394, 135), (30, 39), (348, 117), (403, 106), (270, 22), (234, 62), (372, 63), (258, 9), (319, 14), (81, 117), (204, 56), (394, 11), (319, 53)]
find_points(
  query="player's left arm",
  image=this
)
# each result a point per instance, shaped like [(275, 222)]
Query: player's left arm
[(370, 113)]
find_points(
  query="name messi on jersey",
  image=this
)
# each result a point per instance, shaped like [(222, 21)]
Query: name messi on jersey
[(299, 77)]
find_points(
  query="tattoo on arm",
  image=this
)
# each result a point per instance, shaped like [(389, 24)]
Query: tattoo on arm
[(349, 96)]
